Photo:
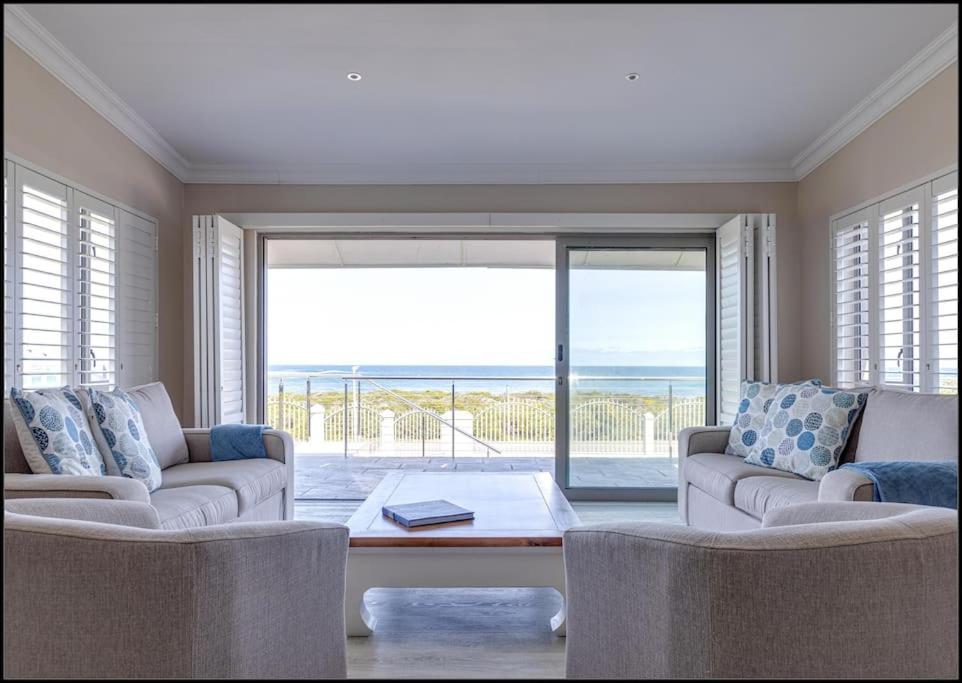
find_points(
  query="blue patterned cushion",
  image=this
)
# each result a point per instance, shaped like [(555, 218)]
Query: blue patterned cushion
[(806, 429), (119, 430), (750, 418), (53, 432)]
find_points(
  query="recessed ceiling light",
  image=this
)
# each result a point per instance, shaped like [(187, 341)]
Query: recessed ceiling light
[(631, 77), (354, 76)]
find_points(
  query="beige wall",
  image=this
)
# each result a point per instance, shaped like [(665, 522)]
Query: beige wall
[(46, 124), (917, 138)]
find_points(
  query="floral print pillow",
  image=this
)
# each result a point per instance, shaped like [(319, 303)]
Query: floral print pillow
[(119, 430)]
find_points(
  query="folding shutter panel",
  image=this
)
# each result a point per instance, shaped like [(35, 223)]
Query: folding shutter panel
[(734, 313), (229, 296), (9, 286), (900, 291), (851, 290), (942, 367), (44, 349), (96, 290), (202, 267), (137, 345), (764, 361)]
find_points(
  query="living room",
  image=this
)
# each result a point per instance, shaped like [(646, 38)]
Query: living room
[(634, 304)]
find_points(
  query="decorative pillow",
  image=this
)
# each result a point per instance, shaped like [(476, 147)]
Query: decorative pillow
[(119, 430), (53, 432), (806, 429), (756, 398)]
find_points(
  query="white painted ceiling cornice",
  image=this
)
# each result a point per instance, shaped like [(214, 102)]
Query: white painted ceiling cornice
[(36, 41)]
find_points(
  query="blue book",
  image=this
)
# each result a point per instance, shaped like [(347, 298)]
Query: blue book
[(429, 512)]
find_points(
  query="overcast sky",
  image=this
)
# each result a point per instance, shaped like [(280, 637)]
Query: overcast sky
[(481, 316)]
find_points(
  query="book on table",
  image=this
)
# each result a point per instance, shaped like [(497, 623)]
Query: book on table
[(427, 512)]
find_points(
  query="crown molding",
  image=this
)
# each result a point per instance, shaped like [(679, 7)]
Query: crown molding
[(36, 41), (46, 50), (483, 174), (924, 66)]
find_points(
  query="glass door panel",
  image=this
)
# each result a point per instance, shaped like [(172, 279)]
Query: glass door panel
[(634, 361)]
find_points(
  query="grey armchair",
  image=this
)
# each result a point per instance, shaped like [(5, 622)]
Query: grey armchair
[(822, 590), (108, 594)]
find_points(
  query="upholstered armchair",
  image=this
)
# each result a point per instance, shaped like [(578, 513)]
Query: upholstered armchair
[(822, 590), (96, 589)]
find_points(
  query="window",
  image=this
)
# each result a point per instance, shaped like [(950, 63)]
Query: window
[(894, 311), (62, 252)]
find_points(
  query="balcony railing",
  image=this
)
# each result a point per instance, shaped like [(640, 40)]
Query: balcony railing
[(366, 417)]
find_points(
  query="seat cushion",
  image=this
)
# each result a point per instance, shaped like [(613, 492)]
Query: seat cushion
[(758, 495), (901, 425), (717, 473), (254, 480), (187, 507), (161, 423)]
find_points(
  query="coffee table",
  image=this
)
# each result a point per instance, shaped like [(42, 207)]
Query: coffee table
[(514, 539)]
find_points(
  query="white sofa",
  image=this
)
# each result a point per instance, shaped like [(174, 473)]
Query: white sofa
[(724, 493), (195, 492)]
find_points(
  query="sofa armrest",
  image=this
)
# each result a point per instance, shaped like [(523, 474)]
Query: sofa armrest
[(817, 513), (845, 485), (279, 444), (73, 486), (693, 440), (121, 512)]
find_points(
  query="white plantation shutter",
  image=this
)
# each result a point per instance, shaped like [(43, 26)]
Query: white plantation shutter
[(734, 254), (96, 291), (45, 350), (851, 310), (137, 298), (9, 298), (765, 323), (229, 297), (218, 322), (900, 291), (942, 367)]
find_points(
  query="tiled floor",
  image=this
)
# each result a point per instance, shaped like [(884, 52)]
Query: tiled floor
[(334, 477)]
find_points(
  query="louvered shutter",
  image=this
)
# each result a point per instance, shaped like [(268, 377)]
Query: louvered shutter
[(96, 291), (851, 310), (734, 254), (900, 291), (9, 287), (229, 298), (943, 312), (44, 352), (137, 348)]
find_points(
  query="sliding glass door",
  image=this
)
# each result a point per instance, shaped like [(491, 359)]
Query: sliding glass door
[(634, 360)]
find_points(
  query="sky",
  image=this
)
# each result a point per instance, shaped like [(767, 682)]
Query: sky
[(481, 316)]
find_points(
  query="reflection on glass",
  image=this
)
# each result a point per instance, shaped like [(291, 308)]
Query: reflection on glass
[(637, 363)]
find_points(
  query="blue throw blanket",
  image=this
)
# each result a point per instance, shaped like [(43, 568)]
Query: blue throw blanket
[(237, 442), (921, 483)]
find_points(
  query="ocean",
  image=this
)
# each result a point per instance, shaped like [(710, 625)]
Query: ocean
[(686, 381)]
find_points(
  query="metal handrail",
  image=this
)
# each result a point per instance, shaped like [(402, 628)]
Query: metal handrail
[(434, 415)]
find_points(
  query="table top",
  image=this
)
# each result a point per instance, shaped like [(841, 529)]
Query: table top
[(510, 510)]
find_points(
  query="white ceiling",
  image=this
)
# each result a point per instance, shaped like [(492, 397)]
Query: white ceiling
[(424, 253), (510, 93)]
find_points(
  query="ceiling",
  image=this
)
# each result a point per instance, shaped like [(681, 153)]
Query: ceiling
[(491, 93), (434, 253)]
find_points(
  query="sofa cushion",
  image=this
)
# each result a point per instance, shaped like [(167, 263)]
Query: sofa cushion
[(118, 428), (716, 473), (758, 495), (254, 481), (756, 398), (54, 434), (900, 425), (806, 429), (161, 423), (187, 507)]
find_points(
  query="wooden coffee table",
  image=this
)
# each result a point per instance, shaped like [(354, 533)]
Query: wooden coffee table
[(514, 539)]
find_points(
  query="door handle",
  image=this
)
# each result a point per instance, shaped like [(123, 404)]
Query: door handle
[(561, 352)]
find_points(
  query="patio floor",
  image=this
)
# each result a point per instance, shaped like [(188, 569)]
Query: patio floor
[(334, 477)]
